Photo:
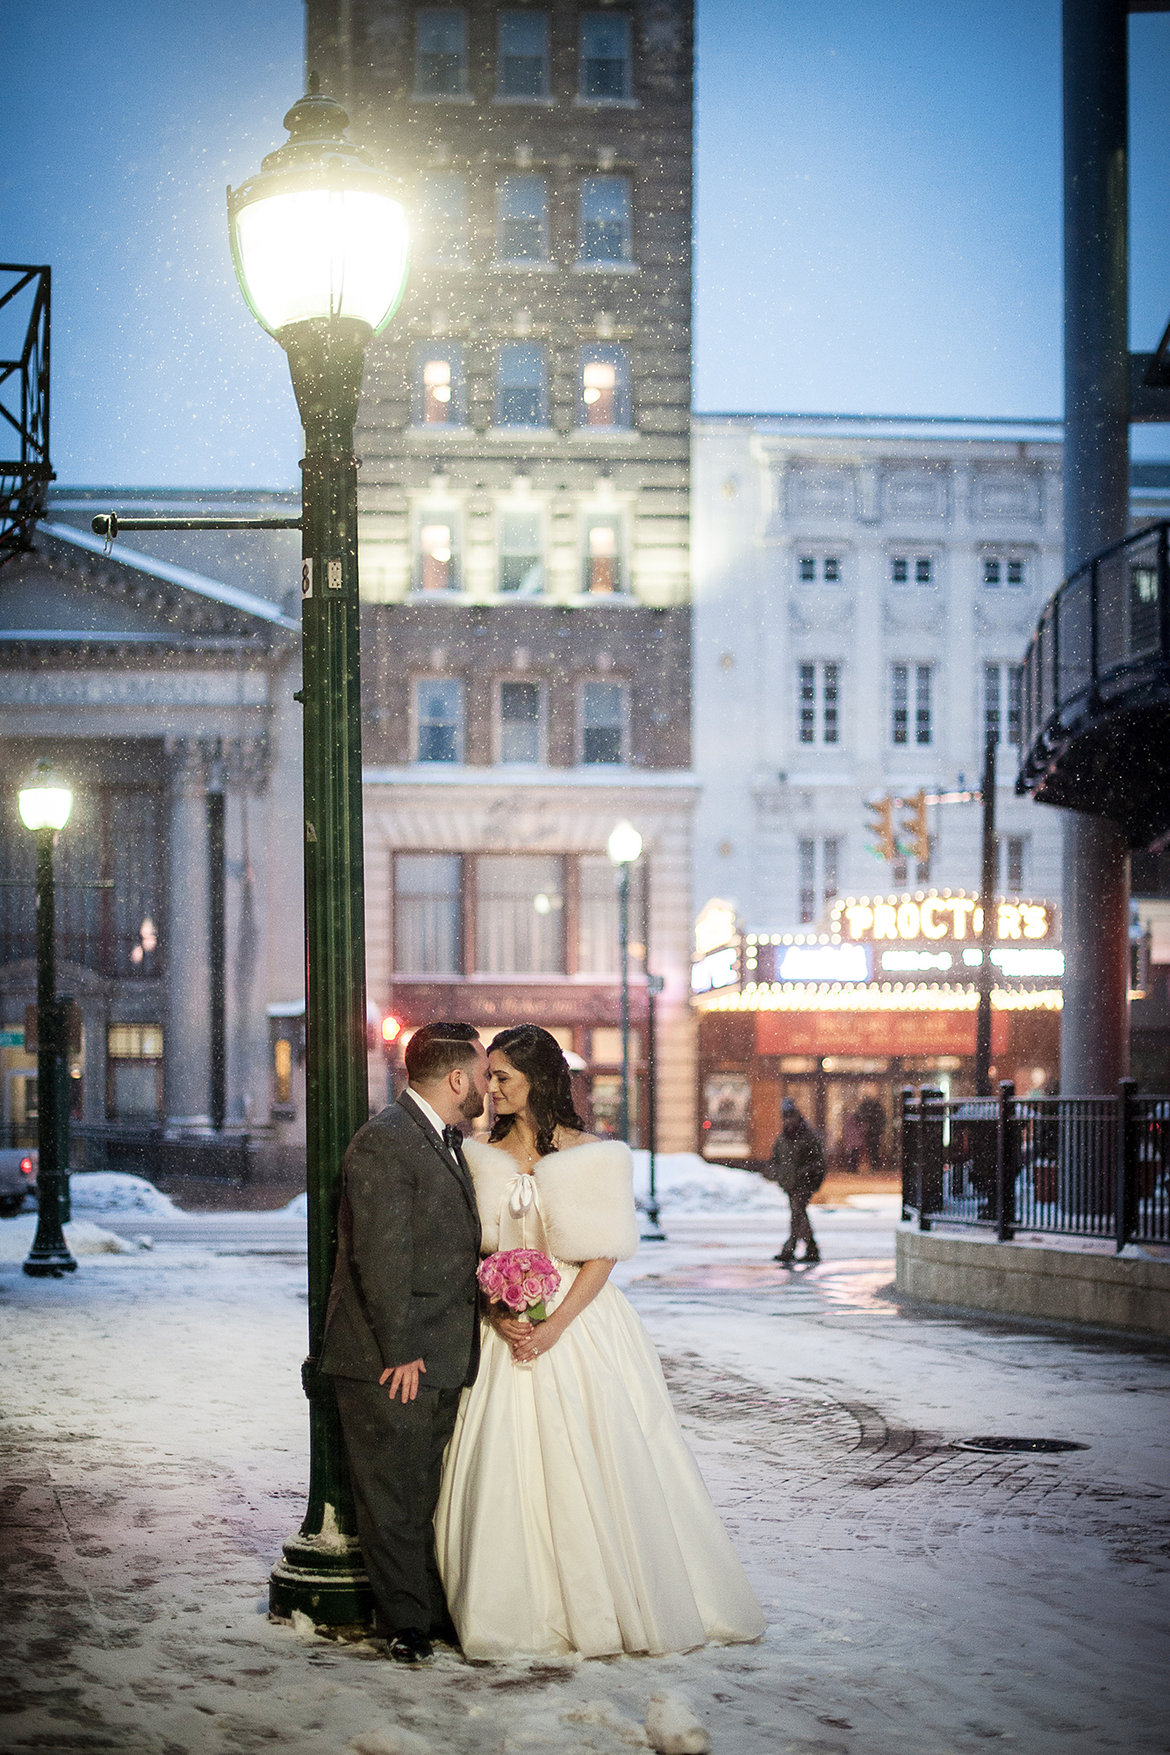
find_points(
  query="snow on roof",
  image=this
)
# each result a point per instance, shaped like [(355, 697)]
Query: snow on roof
[(229, 595)]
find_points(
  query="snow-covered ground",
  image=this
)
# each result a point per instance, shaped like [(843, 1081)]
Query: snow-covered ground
[(922, 1600)]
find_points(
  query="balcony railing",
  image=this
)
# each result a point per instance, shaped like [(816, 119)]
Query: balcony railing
[(1094, 1167), (1099, 662)]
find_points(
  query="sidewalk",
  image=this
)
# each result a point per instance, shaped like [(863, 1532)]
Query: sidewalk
[(923, 1600)]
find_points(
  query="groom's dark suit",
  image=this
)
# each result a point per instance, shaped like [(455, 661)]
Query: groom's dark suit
[(403, 1288)]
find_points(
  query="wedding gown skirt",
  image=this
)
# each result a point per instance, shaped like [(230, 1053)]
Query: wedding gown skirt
[(572, 1516)]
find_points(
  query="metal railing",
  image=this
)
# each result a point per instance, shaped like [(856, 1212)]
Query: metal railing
[(1073, 1166), (1100, 636)]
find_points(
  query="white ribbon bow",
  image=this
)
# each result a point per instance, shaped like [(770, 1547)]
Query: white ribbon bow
[(521, 1197)]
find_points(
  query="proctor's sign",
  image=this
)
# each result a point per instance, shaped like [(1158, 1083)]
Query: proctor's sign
[(930, 917)]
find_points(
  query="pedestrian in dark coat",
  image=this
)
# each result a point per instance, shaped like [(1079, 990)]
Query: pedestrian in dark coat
[(798, 1166)]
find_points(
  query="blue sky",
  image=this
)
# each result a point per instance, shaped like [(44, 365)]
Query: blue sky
[(878, 215)]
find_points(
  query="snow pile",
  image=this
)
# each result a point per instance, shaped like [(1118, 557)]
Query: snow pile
[(686, 1183), (298, 1207), (393, 1740), (673, 1729), (83, 1238), (586, 1727), (112, 1194)]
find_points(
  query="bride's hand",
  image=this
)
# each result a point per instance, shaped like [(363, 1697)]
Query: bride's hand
[(536, 1338), (509, 1328)]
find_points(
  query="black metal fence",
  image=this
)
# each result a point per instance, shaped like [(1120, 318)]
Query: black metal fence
[(1073, 1166)]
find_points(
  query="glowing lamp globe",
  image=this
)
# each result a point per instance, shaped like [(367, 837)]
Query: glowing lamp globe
[(319, 234), (46, 801), (624, 844)]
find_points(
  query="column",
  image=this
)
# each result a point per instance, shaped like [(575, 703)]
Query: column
[(187, 1045), (1094, 1023)]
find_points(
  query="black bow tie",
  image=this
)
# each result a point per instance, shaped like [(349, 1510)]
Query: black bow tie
[(452, 1139)]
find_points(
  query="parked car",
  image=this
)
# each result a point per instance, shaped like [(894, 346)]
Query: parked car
[(18, 1178)]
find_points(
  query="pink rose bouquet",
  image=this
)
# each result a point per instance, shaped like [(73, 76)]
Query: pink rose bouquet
[(523, 1279)]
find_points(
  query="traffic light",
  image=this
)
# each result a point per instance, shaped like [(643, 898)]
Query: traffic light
[(916, 828), (881, 826)]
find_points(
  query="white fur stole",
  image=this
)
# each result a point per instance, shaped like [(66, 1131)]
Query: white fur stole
[(586, 1197)]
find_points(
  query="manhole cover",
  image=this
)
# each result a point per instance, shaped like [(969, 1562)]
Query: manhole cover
[(1034, 1446)]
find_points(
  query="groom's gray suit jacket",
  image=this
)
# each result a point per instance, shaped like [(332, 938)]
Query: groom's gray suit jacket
[(404, 1284)]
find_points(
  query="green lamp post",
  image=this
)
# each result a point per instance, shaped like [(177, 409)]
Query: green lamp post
[(320, 244), (624, 848), (45, 804)]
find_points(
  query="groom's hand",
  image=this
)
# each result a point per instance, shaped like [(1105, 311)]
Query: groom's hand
[(403, 1378)]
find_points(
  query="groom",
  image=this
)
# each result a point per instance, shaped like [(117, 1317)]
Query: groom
[(402, 1328)]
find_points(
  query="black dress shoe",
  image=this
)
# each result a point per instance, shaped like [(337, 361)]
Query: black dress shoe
[(410, 1646)]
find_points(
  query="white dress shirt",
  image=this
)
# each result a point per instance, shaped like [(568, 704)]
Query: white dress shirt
[(436, 1121)]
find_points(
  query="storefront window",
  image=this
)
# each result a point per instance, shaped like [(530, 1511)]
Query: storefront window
[(428, 904), (520, 914)]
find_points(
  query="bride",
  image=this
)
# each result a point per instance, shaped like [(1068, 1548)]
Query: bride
[(572, 1516)]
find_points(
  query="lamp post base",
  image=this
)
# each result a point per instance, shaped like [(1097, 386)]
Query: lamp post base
[(652, 1231), (50, 1263), (325, 1578)]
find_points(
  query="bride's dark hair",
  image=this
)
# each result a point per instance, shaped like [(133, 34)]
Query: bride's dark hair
[(540, 1058)]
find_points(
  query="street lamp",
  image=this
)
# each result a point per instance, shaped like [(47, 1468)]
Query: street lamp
[(624, 847), (45, 804), (320, 244)]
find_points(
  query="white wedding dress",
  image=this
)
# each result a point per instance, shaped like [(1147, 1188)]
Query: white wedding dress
[(572, 1516)]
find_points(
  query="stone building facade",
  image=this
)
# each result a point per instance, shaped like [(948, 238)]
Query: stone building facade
[(524, 498)]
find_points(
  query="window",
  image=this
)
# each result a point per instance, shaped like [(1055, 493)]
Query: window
[(1013, 863), (597, 917), (436, 562), (521, 722), (900, 869), (439, 394), (606, 58), (439, 718), (440, 52), (818, 864), (521, 552), (1003, 683), (905, 679), (1004, 569), (603, 723), (522, 389), (819, 703), (134, 1072), (827, 567), (603, 555), (604, 220), (920, 568), (522, 55), (522, 219), (520, 914), (605, 387), (443, 216), (428, 909)]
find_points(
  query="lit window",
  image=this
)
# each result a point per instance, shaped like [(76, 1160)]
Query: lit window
[(521, 557), (439, 717), (522, 219), (905, 678), (603, 721), (522, 59), (520, 722), (519, 914), (605, 387), (606, 58), (440, 52), (428, 910), (439, 397), (603, 557), (522, 389), (604, 226), (437, 564), (443, 217)]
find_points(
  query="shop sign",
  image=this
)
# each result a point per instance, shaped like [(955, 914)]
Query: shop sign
[(717, 969), (11, 1038), (933, 917), (824, 963)]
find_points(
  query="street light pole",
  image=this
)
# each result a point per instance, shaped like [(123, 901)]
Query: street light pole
[(652, 1231), (987, 936), (44, 808), (319, 241), (624, 847)]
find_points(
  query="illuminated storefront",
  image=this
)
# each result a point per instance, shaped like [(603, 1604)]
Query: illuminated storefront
[(884, 994)]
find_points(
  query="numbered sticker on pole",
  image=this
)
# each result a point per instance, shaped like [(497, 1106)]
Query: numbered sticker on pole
[(306, 577)]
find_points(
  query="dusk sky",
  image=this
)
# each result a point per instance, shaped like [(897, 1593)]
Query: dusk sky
[(878, 216)]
